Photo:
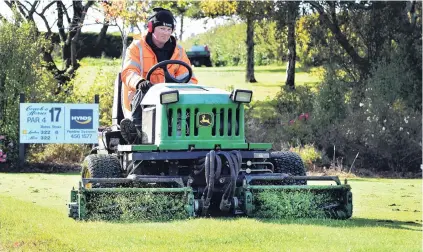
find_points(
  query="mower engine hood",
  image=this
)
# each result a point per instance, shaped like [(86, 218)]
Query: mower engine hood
[(188, 94)]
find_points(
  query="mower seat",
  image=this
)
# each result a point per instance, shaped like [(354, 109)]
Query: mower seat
[(117, 111)]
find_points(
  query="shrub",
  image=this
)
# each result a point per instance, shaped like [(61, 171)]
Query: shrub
[(309, 154), (110, 46), (330, 104), (390, 125), (284, 120), (58, 153), (21, 71), (384, 127), (100, 80)]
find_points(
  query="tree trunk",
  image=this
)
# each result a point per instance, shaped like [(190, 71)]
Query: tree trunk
[(100, 37), (62, 34), (79, 13), (74, 61), (249, 77), (124, 38), (292, 54), (332, 23), (182, 27), (66, 56), (72, 40), (52, 68)]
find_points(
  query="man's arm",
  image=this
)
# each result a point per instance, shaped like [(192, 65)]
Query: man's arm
[(132, 68)]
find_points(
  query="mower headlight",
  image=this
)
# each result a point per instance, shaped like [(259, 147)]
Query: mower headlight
[(240, 95), (169, 97)]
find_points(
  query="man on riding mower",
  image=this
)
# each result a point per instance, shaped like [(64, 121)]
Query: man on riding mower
[(158, 45)]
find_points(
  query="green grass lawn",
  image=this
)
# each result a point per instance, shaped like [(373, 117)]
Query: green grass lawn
[(33, 217), (270, 78), (92, 69)]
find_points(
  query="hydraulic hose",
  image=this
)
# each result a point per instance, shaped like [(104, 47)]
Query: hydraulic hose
[(225, 203), (237, 159), (201, 166), (212, 170), (218, 167), (210, 178)]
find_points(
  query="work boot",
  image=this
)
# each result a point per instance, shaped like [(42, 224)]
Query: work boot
[(128, 131)]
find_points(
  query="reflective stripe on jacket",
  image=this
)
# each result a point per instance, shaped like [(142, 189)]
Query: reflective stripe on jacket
[(138, 61)]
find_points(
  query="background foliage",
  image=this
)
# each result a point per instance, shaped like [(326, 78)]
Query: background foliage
[(21, 71), (365, 112), (228, 48), (111, 46)]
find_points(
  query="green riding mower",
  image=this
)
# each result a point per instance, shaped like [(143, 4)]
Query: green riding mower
[(194, 160)]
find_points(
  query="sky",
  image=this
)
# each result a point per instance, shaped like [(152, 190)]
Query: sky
[(191, 27)]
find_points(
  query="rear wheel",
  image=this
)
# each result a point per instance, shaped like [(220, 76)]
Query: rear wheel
[(196, 63), (289, 163), (101, 166), (208, 62)]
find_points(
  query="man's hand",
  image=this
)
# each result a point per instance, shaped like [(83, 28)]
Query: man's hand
[(144, 85)]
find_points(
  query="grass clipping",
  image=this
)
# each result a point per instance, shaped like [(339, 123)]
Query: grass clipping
[(277, 204), (136, 206)]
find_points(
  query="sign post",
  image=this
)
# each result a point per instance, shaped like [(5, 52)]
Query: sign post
[(21, 145)]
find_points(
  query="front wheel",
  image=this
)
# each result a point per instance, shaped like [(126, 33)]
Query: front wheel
[(100, 166), (289, 163)]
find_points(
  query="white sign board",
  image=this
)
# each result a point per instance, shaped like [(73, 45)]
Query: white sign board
[(58, 123)]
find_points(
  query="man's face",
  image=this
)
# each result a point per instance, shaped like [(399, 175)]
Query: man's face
[(162, 33)]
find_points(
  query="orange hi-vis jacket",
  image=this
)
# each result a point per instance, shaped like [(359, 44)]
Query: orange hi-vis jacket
[(138, 61)]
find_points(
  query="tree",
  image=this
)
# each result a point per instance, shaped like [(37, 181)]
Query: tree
[(182, 9), (126, 15), (69, 36), (250, 12), (367, 33), (383, 22), (372, 57), (292, 53), (72, 37), (286, 15), (329, 17)]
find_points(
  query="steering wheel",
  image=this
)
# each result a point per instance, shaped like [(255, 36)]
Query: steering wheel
[(163, 65)]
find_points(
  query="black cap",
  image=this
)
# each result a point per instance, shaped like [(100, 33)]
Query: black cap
[(162, 17)]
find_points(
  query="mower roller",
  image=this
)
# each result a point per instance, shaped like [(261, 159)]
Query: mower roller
[(193, 160)]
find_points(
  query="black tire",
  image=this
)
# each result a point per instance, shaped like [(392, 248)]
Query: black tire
[(196, 63), (208, 62), (101, 166), (289, 163)]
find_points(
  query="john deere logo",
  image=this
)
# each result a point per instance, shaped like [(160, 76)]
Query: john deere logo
[(205, 119)]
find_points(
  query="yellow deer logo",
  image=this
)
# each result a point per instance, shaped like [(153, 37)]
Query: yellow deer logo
[(205, 121)]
